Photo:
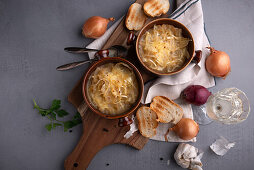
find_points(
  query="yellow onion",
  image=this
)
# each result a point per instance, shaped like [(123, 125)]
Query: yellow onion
[(186, 129), (218, 63), (95, 26)]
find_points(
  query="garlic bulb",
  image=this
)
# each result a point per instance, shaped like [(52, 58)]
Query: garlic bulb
[(187, 157)]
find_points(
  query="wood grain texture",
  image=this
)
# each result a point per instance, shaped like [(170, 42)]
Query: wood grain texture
[(99, 132), (32, 41)]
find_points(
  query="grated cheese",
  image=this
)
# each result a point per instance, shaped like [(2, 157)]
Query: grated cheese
[(163, 48), (113, 88)]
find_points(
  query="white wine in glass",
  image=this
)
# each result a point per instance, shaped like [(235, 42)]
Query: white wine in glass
[(229, 106)]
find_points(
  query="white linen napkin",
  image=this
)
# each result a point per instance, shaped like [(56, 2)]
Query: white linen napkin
[(189, 13)]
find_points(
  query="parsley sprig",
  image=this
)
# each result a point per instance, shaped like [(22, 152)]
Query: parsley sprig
[(54, 112)]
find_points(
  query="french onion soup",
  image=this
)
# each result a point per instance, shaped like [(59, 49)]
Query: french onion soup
[(163, 48), (113, 88)]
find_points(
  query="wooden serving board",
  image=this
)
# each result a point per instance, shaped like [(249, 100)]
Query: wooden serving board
[(99, 132)]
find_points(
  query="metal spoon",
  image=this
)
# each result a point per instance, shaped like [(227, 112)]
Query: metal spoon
[(114, 51), (79, 50), (73, 65)]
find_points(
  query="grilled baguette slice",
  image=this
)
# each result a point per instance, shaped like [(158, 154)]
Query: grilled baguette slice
[(166, 110), (155, 8), (135, 18), (147, 123)]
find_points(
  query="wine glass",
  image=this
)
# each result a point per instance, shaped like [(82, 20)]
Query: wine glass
[(229, 106)]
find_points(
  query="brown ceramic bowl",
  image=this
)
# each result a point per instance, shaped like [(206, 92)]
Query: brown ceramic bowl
[(112, 60), (186, 34)]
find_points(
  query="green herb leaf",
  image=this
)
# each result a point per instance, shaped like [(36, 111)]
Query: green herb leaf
[(56, 124), (35, 105), (55, 111), (53, 115), (77, 116), (76, 122), (48, 126), (61, 113), (77, 119), (56, 104), (68, 125), (71, 123), (43, 113)]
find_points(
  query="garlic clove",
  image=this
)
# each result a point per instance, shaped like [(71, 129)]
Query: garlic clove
[(187, 156)]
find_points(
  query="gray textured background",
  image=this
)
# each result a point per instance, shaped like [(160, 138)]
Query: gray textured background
[(32, 37)]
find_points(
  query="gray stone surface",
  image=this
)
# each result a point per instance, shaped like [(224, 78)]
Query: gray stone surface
[(32, 37)]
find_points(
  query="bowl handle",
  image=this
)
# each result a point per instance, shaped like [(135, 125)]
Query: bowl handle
[(124, 121), (198, 56), (131, 40)]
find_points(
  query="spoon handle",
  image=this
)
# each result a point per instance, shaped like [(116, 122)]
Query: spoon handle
[(72, 65), (79, 50)]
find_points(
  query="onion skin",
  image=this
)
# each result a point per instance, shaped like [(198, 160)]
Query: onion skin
[(95, 26), (186, 129), (218, 63), (196, 94)]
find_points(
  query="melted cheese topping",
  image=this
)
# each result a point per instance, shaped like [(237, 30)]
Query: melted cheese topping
[(163, 48), (113, 88)]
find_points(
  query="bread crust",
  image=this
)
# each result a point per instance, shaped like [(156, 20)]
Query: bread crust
[(135, 18), (154, 8), (157, 107), (141, 121)]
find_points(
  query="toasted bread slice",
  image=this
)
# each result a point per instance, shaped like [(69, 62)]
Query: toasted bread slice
[(135, 18), (147, 123), (155, 8), (166, 110)]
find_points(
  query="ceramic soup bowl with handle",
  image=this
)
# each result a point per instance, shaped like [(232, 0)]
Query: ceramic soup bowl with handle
[(122, 116), (185, 32)]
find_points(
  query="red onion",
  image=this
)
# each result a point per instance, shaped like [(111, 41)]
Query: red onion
[(196, 94)]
